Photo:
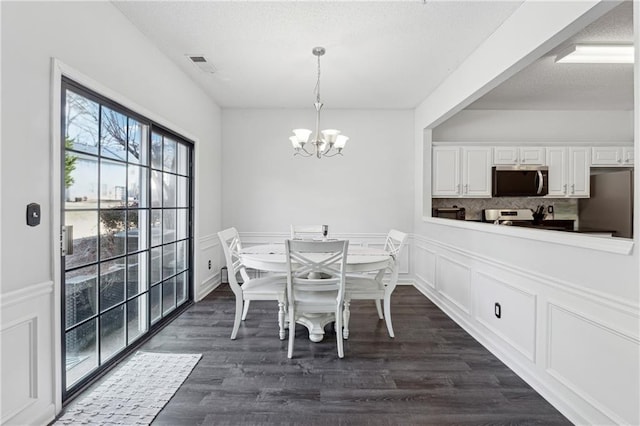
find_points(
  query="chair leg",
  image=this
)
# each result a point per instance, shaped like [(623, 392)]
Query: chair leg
[(236, 322), (246, 309), (292, 332), (378, 307), (346, 315), (281, 319), (339, 331), (387, 314)]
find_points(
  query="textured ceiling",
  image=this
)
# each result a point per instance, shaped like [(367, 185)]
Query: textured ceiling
[(380, 54), (545, 85)]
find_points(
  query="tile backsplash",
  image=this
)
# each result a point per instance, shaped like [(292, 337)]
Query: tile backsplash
[(564, 208)]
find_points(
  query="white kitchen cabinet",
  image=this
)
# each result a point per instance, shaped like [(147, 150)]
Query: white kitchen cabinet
[(612, 156), (461, 172), (445, 172), (514, 155), (568, 171)]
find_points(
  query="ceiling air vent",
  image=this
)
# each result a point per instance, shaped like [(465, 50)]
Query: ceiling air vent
[(201, 62)]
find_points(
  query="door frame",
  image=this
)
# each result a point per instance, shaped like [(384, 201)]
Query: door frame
[(58, 70)]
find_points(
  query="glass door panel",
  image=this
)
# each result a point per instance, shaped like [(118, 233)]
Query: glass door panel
[(127, 212), (112, 332), (81, 346)]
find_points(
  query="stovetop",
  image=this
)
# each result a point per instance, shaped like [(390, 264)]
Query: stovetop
[(493, 215)]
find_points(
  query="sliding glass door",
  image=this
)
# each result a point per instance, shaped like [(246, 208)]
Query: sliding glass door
[(127, 234)]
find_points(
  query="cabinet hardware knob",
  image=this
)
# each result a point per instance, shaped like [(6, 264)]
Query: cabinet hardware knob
[(497, 310)]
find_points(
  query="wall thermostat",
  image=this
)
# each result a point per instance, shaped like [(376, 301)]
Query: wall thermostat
[(33, 214)]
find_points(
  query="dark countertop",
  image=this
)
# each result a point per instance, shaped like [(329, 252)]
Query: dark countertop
[(555, 225)]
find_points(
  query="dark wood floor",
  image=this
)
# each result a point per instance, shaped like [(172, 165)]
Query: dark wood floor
[(432, 373)]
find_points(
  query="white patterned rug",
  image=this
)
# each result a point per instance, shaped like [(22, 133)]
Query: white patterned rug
[(135, 393)]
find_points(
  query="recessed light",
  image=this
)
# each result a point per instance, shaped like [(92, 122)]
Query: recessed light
[(597, 54)]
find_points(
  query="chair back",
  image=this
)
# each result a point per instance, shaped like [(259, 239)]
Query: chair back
[(395, 242), (393, 245), (315, 266), (231, 247), (307, 232)]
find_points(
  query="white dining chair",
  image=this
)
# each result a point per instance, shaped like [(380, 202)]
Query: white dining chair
[(315, 283), (263, 288), (375, 287), (308, 232)]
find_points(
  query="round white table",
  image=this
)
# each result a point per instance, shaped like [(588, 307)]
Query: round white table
[(272, 258)]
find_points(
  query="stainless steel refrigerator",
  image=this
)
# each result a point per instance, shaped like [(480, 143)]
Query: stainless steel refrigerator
[(610, 206)]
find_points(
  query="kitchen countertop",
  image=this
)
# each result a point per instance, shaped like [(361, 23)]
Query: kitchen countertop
[(555, 225)]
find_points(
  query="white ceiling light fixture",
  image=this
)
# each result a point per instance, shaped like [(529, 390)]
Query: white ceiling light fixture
[(597, 54), (326, 143)]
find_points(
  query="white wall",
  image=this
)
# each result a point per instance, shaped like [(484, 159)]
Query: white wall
[(368, 190), (94, 39), (548, 127), (570, 314)]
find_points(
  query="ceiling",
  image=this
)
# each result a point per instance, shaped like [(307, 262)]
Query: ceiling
[(380, 54), (546, 85)]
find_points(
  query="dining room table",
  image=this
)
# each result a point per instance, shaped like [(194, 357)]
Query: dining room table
[(272, 258)]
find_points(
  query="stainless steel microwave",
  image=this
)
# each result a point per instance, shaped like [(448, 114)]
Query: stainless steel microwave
[(520, 181)]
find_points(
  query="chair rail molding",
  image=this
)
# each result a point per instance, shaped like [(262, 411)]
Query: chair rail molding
[(25, 294)]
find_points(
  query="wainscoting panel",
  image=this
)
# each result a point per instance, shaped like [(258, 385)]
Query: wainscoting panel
[(580, 355), (19, 373), (211, 260), (453, 281), (578, 348), (507, 311), (425, 265), (27, 355)]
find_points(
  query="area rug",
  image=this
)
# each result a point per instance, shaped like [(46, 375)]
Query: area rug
[(135, 393)]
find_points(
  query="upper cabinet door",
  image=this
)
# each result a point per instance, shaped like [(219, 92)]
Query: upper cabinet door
[(533, 155), (558, 171), (612, 156), (606, 156), (505, 155), (445, 172), (579, 183), (519, 156), (476, 172)]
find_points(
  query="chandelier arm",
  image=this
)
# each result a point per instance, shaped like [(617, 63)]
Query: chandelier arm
[(302, 149), (332, 155)]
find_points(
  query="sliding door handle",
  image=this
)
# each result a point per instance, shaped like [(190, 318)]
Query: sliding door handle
[(66, 240)]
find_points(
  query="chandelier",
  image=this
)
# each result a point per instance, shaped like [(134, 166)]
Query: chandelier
[(326, 143)]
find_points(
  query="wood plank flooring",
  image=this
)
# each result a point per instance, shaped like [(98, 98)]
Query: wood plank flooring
[(432, 373)]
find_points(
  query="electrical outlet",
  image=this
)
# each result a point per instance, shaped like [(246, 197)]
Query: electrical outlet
[(209, 264)]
